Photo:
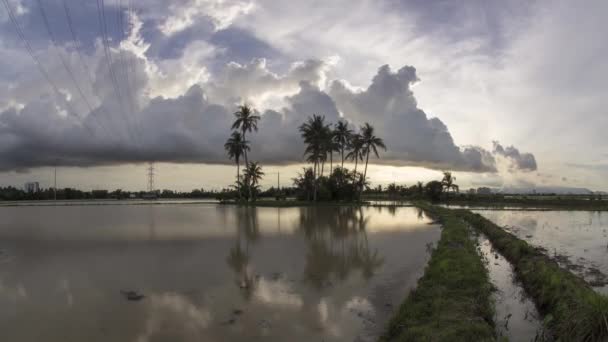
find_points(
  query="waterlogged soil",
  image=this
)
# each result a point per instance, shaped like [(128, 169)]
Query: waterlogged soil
[(206, 272), (577, 240), (516, 316)]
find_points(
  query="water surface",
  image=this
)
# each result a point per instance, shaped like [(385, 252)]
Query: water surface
[(208, 272), (577, 239)]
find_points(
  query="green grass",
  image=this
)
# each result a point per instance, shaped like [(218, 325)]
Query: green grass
[(452, 300), (573, 310)]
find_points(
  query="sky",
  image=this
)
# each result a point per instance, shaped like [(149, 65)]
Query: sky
[(502, 93)]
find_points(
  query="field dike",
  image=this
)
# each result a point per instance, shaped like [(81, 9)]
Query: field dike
[(452, 301), (573, 311)]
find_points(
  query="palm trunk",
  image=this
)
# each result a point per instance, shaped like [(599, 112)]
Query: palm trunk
[(331, 162), (246, 165), (322, 167), (238, 177), (342, 152), (314, 176), (364, 172), (355, 179)]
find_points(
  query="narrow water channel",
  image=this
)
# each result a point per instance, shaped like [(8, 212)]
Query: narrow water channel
[(516, 316)]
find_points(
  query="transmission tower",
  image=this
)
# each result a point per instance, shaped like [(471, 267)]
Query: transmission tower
[(151, 177)]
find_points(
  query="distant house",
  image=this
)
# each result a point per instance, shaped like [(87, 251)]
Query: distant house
[(32, 187)]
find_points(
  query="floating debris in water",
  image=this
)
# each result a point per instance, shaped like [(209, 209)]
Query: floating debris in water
[(132, 295)]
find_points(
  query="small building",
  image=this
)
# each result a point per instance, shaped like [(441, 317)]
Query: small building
[(32, 187)]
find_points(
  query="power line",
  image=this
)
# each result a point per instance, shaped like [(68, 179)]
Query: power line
[(104, 33), (85, 66), (63, 61), (41, 68), (126, 70)]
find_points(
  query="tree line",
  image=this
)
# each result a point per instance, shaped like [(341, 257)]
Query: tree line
[(322, 141)]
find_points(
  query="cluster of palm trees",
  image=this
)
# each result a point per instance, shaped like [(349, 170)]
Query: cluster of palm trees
[(324, 139), (237, 146)]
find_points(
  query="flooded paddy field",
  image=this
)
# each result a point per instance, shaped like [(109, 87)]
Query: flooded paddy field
[(578, 240), (209, 272)]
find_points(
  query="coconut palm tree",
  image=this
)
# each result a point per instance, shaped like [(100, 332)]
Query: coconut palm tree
[(420, 188), (330, 146), (236, 146), (448, 182), (356, 149), (370, 143), (342, 136), (253, 175), (247, 121), (314, 132)]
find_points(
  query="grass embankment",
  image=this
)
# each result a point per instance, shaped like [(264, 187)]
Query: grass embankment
[(573, 310), (452, 300)]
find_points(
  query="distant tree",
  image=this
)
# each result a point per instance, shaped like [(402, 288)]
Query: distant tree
[(236, 146), (356, 149), (433, 190), (247, 121), (420, 188), (370, 143), (448, 182), (253, 175), (342, 137), (315, 134)]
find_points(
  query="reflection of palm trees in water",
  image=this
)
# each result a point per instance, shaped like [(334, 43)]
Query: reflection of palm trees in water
[(338, 244), (239, 258)]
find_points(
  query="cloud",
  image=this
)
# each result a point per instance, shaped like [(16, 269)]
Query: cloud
[(411, 136), (192, 127), (173, 93), (221, 13), (518, 161)]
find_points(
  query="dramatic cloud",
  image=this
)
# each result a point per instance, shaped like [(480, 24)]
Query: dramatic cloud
[(518, 161), (165, 91)]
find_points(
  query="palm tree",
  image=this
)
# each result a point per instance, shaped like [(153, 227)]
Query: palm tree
[(448, 182), (235, 146), (342, 137), (246, 121), (330, 146), (314, 131), (356, 149), (370, 143), (420, 188), (253, 175)]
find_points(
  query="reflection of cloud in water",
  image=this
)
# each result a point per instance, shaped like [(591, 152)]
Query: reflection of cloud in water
[(527, 222), (12, 293), (65, 287), (277, 293), (175, 311)]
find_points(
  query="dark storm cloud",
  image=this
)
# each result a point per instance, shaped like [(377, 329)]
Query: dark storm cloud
[(193, 127), (190, 120)]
